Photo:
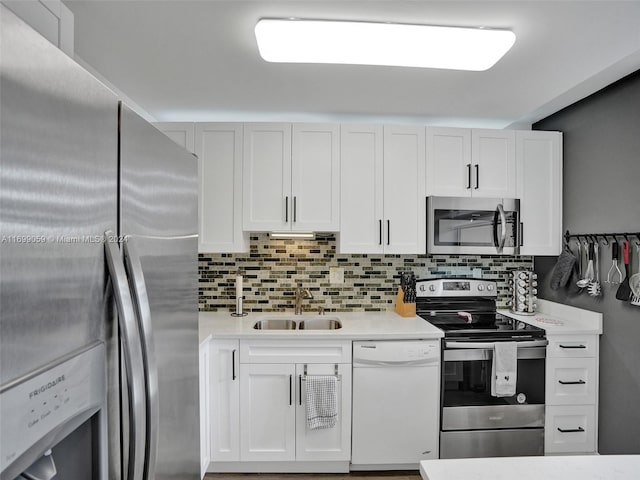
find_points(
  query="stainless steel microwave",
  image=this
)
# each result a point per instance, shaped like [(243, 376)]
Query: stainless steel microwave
[(476, 226)]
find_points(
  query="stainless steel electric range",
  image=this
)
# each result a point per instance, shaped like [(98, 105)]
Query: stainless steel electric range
[(473, 422)]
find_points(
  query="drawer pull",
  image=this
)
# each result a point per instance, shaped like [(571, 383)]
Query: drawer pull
[(571, 430), (578, 382), (573, 346)]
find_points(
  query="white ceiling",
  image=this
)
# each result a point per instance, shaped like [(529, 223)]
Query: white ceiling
[(198, 60)]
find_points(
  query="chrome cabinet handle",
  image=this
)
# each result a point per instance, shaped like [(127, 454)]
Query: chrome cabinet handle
[(132, 352), (578, 382), (143, 311)]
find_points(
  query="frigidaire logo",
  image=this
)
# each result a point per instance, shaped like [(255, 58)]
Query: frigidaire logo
[(46, 387)]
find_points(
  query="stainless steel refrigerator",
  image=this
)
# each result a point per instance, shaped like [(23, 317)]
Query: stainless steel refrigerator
[(98, 278)]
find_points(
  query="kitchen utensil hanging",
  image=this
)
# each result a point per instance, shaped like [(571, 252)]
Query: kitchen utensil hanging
[(624, 290), (614, 275), (634, 281), (594, 288)]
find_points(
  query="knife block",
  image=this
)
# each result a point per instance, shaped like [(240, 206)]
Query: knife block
[(404, 309)]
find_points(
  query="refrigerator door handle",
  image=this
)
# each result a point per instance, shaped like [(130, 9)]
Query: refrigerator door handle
[(143, 311), (132, 349)]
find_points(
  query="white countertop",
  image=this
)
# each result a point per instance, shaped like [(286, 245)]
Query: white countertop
[(559, 319), (355, 326), (592, 467), (554, 318)]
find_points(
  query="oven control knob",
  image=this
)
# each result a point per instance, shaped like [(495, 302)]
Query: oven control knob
[(421, 288), (432, 288), (480, 287), (490, 287)]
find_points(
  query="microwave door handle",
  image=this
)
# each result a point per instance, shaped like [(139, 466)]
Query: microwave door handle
[(132, 350), (503, 219), (143, 310)]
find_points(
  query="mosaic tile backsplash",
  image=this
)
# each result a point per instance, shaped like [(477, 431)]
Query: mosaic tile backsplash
[(273, 268)]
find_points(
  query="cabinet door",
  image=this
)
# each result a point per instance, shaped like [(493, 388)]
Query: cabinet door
[(539, 188), (205, 425), (315, 177), (404, 186), (327, 444), (225, 396), (267, 202), (494, 163), (267, 425), (449, 165), (180, 132), (571, 381), (570, 429), (361, 202), (219, 151)]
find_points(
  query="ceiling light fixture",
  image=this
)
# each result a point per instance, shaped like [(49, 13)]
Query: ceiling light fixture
[(389, 44), (293, 235)]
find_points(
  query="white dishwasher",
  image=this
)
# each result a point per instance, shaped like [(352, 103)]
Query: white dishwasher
[(396, 403)]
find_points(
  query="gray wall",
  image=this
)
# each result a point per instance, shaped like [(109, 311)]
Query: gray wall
[(601, 190)]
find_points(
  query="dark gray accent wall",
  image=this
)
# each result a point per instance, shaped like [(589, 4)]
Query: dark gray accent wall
[(601, 190)]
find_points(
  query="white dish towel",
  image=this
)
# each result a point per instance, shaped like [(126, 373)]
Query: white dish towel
[(321, 401), (504, 369)]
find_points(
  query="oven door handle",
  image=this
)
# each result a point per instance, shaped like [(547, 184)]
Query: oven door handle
[(489, 345)]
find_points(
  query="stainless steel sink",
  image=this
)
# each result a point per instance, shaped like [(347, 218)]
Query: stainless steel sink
[(275, 324), (320, 324)]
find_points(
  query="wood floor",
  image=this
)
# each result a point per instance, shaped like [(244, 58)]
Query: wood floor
[(410, 475)]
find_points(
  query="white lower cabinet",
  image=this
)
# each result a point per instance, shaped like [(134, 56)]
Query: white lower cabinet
[(571, 391), (258, 406), (327, 444), (205, 425), (224, 413), (267, 426)]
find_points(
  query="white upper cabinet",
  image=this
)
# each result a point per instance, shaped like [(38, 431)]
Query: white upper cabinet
[(218, 147), (383, 200), (219, 150), (291, 177), (361, 202), (471, 162), (539, 188), (449, 165), (493, 153), (50, 18), (267, 176), (183, 133), (404, 191), (315, 177)]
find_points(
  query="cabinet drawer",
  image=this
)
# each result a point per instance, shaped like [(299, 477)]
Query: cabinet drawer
[(572, 346), (571, 381), (570, 429), (295, 351)]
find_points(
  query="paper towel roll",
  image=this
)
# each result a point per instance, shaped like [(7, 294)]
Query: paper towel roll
[(239, 286)]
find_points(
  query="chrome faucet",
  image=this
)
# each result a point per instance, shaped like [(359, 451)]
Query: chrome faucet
[(301, 294)]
